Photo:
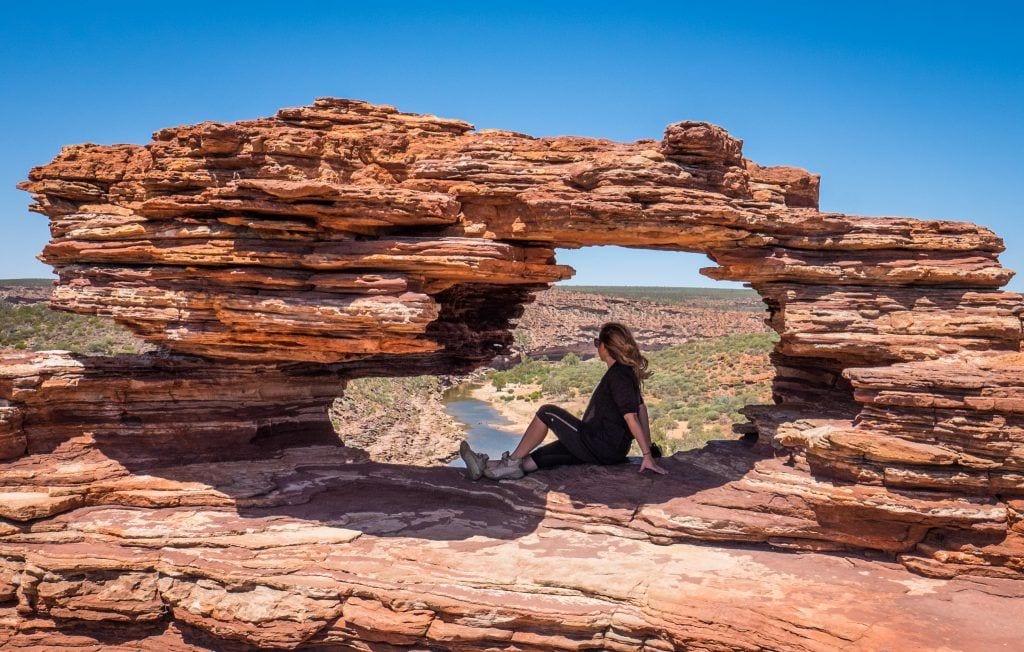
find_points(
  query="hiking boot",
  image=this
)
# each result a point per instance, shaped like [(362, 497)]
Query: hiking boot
[(505, 469), (475, 462)]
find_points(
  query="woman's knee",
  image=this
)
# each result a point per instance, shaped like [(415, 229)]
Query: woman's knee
[(545, 410)]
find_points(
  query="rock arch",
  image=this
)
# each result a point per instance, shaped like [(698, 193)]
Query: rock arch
[(272, 259), (371, 241)]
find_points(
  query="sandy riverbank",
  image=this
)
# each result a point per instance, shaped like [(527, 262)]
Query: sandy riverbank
[(520, 410)]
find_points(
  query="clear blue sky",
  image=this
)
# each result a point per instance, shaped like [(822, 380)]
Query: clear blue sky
[(905, 108)]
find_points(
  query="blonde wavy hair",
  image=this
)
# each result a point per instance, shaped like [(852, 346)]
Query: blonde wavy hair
[(623, 348)]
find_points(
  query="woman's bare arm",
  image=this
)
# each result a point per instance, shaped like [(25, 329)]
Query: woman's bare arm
[(643, 438)]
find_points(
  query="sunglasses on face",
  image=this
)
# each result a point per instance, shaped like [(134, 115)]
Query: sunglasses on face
[(597, 341)]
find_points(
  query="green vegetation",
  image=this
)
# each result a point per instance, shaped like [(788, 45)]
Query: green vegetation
[(385, 392), (37, 328), (28, 282), (704, 383), (374, 405), (731, 298), (694, 396)]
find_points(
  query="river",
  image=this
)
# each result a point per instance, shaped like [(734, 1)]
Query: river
[(486, 429)]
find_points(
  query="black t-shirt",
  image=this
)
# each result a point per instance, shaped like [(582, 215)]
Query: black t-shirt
[(604, 426)]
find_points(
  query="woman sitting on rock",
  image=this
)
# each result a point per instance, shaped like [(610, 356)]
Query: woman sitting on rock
[(615, 416)]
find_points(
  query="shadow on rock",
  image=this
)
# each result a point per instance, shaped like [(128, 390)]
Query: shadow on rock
[(325, 483)]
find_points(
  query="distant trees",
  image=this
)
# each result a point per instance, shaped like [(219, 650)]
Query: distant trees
[(36, 327)]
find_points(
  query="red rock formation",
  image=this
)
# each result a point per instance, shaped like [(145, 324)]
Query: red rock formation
[(180, 495), (316, 552)]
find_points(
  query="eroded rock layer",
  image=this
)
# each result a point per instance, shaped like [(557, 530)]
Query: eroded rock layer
[(312, 548), (188, 496), (327, 233)]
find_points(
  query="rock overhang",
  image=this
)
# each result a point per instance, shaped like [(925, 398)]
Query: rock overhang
[(331, 233)]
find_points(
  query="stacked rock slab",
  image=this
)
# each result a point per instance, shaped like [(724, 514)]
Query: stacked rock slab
[(272, 259)]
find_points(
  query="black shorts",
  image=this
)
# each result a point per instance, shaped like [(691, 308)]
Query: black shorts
[(572, 446)]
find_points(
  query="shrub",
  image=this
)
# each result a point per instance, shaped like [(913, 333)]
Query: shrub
[(36, 327)]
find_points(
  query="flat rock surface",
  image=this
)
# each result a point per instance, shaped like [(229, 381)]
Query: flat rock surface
[(323, 550)]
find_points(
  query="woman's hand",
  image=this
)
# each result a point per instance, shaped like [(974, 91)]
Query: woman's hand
[(648, 464)]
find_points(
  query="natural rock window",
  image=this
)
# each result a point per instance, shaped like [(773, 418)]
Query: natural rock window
[(273, 259)]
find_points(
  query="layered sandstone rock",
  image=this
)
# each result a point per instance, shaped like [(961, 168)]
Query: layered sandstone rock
[(124, 400), (181, 495), (317, 552)]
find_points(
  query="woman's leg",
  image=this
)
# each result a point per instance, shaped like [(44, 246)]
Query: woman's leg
[(552, 455), (534, 435), (548, 416), (532, 438)]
